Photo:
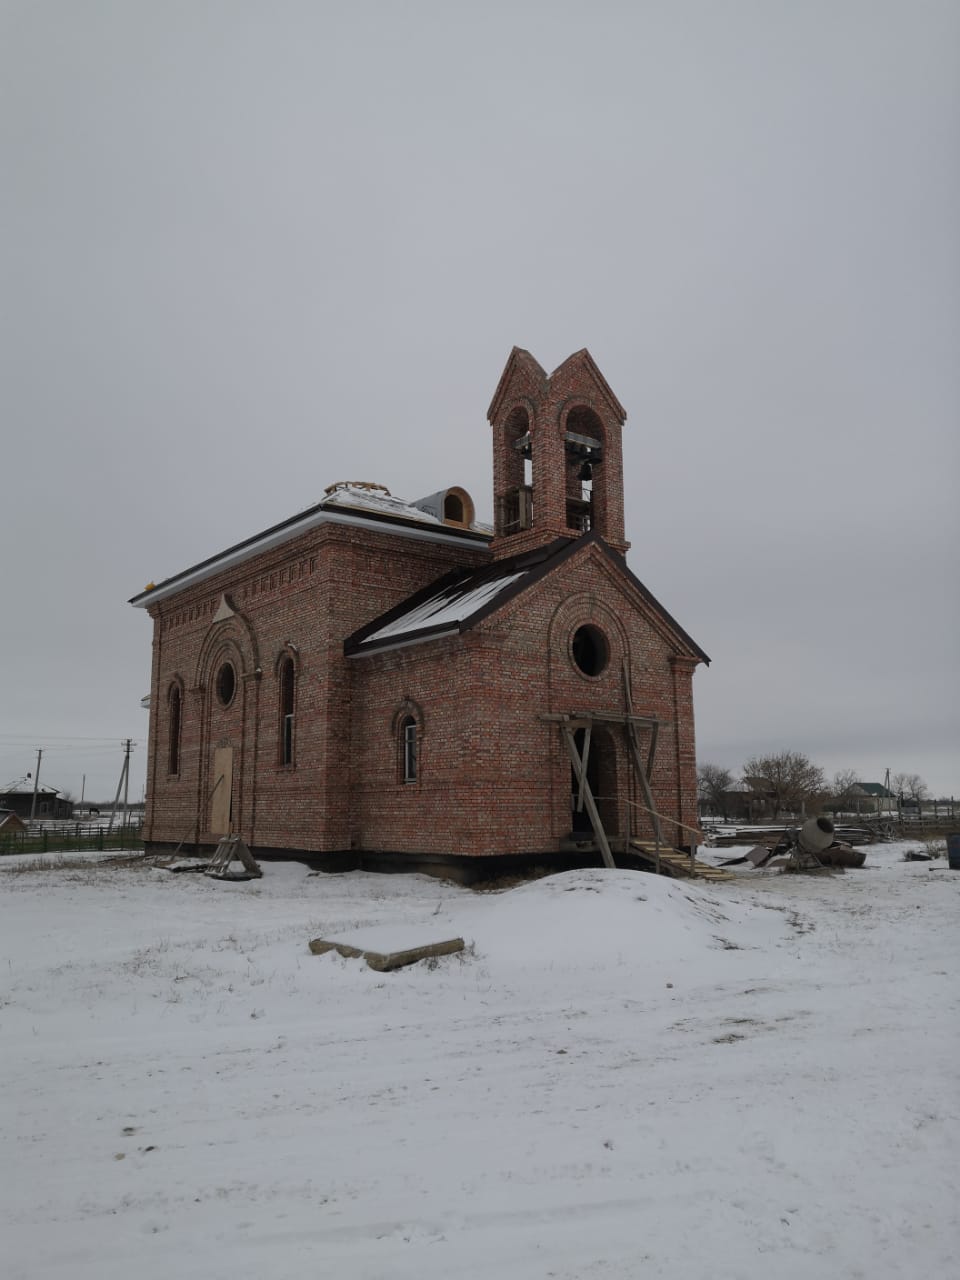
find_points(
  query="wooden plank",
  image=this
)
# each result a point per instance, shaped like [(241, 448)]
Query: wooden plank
[(580, 719), (231, 849), (679, 863), (589, 802), (384, 961), (634, 746), (654, 732), (585, 761), (220, 801)]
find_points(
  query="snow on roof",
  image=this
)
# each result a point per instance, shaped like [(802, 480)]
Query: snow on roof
[(376, 498), (448, 607), (362, 497), (354, 504), (18, 790)]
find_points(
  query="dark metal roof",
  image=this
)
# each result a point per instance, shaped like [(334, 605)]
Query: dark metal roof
[(876, 789), (457, 601), (463, 598)]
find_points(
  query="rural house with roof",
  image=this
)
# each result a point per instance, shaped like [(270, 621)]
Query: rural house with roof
[(383, 683), (45, 802)]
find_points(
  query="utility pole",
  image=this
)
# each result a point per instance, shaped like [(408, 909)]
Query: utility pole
[(36, 784), (83, 789), (122, 784), (128, 747)]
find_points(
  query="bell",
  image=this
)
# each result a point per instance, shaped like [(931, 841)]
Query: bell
[(585, 472)]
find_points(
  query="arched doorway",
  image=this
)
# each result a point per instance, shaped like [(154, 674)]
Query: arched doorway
[(601, 774)]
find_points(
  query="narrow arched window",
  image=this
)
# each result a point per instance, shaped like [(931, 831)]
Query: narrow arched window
[(174, 722), (287, 692), (408, 749)]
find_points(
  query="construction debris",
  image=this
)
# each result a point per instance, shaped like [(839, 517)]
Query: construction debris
[(676, 863), (811, 847), (383, 960), (232, 860)]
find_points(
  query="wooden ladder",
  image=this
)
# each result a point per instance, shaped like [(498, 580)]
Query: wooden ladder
[(676, 863)]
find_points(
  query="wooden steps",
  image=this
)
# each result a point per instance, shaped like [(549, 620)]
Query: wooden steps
[(677, 864)]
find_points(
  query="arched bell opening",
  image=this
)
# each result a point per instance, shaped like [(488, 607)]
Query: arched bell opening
[(583, 451)]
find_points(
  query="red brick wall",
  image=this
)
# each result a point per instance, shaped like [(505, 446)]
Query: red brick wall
[(548, 402), (312, 592), (495, 777)]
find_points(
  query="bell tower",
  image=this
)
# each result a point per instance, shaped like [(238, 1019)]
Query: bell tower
[(557, 455)]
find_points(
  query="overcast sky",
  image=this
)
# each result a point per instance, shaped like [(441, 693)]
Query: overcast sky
[(249, 249)]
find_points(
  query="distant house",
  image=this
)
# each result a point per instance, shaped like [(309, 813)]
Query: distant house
[(749, 800), (10, 823), (873, 797), (50, 804)]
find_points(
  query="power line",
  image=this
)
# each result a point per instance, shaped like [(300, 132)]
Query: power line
[(62, 737)]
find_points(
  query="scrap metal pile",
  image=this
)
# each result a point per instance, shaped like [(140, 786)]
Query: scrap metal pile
[(810, 847)]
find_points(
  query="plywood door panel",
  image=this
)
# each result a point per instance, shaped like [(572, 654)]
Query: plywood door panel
[(223, 782)]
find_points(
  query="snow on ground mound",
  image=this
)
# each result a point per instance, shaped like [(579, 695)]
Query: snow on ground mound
[(592, 917), (629, 1077)]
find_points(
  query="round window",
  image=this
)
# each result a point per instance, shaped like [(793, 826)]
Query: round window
[(226, 684), (591, 652)]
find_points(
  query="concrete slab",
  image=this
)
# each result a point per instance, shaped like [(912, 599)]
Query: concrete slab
[(387, 949)]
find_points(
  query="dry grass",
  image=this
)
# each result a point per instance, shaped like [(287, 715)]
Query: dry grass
[(76, 862)]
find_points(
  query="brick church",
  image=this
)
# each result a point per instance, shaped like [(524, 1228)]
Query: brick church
[(383, 683)]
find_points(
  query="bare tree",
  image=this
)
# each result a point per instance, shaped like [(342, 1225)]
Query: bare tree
[(910, 786), (790, 778), (843, 790), (712, 784)]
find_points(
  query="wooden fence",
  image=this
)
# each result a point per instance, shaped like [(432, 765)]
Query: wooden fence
[(69, 837)]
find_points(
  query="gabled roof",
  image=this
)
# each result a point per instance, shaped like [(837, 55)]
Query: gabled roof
[(522, 369), (355, 505), (28, 791), (461, 599), (875, 789), (754, 786)]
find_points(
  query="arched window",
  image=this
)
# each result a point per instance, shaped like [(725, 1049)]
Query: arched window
[(287, 691), (458, 507), (409, 762), (174, 723)]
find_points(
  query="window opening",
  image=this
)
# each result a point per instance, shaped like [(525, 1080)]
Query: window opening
[(591, 652), (226, 684), (408, 738), (287, 678), (453, 508), (176, 707)]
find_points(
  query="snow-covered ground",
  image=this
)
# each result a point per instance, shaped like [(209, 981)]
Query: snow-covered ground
[(623, 1077)]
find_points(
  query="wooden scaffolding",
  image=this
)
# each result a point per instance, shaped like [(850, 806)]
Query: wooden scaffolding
[(665, 857)]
